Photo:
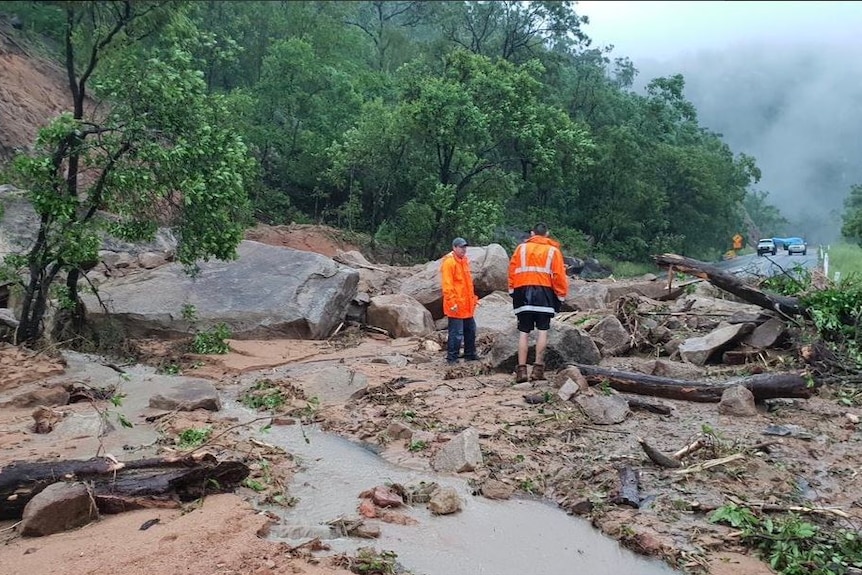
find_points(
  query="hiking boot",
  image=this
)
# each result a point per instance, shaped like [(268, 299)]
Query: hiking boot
[(538, 372), (521, 374)]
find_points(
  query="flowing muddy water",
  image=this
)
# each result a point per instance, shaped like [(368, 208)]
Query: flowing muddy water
[(486, 538)]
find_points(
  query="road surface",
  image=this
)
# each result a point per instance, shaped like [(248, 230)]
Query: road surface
[(769, 265)]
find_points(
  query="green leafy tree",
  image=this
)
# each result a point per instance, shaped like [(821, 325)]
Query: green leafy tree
[(459, 145), (852, 217), (512, 30), (152, 152)]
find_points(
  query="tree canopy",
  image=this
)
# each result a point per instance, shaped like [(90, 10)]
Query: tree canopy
[(410, 121)]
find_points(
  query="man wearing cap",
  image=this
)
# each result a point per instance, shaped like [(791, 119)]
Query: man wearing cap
[(459, 302), (537, 284)]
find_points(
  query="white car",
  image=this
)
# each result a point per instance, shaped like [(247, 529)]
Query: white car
[(766, 245), (797, 247)]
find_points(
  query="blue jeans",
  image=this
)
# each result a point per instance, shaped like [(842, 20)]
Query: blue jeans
[(461, 331)]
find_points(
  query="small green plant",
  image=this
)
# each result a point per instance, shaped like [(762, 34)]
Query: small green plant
[(117, 401), (212, 341), (190, 313), (528, 485), (171, 369), (193, 437), (417, 445), (791, 283), (254, 484), (837, 315), (370, 562), (605, 387), (265, 395), (793, 546), (849, 395), (735, 516)]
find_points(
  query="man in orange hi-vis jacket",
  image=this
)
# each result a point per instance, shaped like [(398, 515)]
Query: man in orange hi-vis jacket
[(459, 302), (538, 285)]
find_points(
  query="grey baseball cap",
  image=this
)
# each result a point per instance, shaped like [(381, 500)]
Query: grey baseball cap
[(459, 243)]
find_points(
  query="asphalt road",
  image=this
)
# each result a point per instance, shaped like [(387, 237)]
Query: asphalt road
[(769, 265)]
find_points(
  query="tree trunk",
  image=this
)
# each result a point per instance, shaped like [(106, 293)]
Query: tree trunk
[(763, 386), (728, 282), (121, 484)]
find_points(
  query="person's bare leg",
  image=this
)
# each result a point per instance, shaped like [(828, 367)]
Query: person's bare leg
[(541, 344), (523, 347)]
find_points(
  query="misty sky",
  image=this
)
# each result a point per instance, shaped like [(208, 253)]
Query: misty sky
[(781, 81)]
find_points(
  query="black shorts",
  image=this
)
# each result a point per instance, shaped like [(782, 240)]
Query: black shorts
[(527, 320)]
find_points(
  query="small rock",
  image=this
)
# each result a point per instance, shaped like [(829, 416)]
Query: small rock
[(494, 489), (852, 418), (367, 509), (445, 501), (364, 531), (384, 496)]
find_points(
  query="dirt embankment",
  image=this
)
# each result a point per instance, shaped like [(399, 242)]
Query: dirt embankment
[(32, 91)]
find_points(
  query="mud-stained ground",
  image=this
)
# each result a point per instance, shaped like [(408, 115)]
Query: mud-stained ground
[(531, 440)]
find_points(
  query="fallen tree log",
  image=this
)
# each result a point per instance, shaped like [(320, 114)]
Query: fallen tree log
[(119, 486), (786, 305), (763, 386)]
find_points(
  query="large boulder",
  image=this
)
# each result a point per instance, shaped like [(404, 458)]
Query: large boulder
[(566, 345), (267, 291), (400, 315), (495, 314), (489, 267)]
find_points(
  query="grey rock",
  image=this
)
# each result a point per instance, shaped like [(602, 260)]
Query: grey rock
[(267, 292), (567, 345), (187, 394), (489, 267), (737, 400), (59, 507), (400, 315), (698, 350), (604, 409), (459, 454)]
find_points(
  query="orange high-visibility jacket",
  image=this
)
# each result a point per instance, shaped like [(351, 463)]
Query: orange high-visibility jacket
[(539, 262), (459, 299)]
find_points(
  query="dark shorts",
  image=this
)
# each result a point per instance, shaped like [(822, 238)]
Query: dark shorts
[(527, 320)]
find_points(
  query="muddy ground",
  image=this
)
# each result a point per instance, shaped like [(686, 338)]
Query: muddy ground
[(542, 446)]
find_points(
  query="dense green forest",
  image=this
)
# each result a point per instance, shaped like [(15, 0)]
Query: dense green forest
[(412, 122)]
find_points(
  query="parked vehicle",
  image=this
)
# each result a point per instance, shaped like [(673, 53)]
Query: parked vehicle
[(766, 245), (797, 246)]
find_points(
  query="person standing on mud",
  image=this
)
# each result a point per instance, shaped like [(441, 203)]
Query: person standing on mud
[(538, 285), (459, 302)]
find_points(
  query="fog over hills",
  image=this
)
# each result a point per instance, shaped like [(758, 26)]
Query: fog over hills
[(796, 108), (780, 80)]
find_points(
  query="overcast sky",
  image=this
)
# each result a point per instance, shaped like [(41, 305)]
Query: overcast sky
[(662, 29), (781, 81)]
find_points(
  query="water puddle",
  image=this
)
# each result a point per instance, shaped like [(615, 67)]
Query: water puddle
[(486, 538)]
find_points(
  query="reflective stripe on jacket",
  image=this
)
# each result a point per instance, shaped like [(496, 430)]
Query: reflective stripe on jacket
[(537, 276), (457, 283)]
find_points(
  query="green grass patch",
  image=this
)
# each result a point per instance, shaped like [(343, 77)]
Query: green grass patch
[(264, 395), (633, 269), (193, 437), (846, 259)]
